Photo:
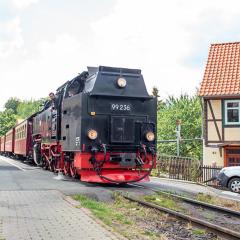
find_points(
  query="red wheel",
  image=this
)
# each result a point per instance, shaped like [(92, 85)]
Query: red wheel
[(53, 165), (45, 164), (66, 168), (73, 170)]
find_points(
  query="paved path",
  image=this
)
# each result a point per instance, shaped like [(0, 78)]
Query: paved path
[(189, 188), (40, 214), (15, 175)]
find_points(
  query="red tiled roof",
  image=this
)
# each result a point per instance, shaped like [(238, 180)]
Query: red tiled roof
[(222, 73)]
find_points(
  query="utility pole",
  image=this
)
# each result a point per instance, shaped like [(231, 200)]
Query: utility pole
[(178, 135)]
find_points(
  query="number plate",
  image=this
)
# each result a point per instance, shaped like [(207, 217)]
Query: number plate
[(118, 107)]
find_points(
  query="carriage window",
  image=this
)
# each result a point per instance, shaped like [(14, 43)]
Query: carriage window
[(232, 112)]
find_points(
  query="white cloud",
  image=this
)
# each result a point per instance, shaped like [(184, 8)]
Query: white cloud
[(11, 37), (148, 34), (23, 3), (53, 63)]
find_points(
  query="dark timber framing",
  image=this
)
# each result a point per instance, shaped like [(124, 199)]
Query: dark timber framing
[(223, 120), (214, 120), (205, 112)]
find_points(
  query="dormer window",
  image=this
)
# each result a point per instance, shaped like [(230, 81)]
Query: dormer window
[(232, 112)]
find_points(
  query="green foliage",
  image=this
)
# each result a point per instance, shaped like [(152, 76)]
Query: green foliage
[(188, 110), (12, 104), (17, 109), (27, 107), (7, 120)]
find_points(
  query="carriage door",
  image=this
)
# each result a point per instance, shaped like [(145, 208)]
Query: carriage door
[(232, 156)]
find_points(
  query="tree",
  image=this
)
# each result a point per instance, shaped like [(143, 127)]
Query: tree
[(7, 121), (27, 107), (16, 109), (188, 109), (12, 103)]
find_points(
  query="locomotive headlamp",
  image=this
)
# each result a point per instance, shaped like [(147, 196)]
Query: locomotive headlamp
[(150, 136), (92, 134), (121, 82)]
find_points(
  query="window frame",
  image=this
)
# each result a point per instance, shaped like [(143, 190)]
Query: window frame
[(226, 123)]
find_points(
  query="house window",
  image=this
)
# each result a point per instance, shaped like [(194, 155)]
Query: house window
[(232, 112)]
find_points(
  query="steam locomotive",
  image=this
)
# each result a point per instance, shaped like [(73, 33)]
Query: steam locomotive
[(99, 127)]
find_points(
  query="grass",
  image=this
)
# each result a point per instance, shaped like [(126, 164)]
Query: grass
[(102, 211), (235, 205), (165, 200), (123, 216), (198, 231), (205, 198), (162, 200)]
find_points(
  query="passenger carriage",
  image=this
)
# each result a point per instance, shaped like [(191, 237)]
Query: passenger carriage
[(23, 139), (2, 144), (9, 142)]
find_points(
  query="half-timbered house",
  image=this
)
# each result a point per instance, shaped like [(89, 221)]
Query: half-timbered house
[(220, 93)]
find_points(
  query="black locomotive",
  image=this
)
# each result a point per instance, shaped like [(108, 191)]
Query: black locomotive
[(100, 126)]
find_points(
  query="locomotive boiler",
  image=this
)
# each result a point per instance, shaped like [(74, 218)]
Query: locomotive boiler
[(99, 126)]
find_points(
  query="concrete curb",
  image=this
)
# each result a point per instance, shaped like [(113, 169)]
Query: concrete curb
[(179, 180)]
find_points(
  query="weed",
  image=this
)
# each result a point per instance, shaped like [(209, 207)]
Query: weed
[(198, 231), (163, 200), (101, 211), (205, 198)]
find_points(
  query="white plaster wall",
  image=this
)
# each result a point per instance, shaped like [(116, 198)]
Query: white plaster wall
[(217, 109), (212, 154), (212, 131), (232, 134)]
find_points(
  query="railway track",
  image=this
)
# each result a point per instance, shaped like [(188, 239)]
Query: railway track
[(193, 201), (221, 224)]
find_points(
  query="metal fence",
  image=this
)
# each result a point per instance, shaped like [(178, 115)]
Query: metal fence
[(206, 173), (185, 168)]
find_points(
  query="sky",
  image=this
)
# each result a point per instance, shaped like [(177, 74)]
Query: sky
[(44, 43)]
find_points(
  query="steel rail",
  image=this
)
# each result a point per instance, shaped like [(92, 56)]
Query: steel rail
[(196, 202), (201, 222)]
